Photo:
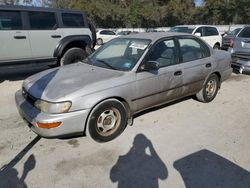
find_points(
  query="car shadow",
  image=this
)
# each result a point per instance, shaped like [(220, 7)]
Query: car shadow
[(208, 170), (163, 106), (138, 168), (9, 175), (20, 72)]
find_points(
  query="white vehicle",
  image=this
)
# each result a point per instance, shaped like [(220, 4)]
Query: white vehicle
[(208, 33), (30, 35), (104, 36)]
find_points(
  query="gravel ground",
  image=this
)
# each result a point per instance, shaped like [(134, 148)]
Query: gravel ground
[(185, 144)]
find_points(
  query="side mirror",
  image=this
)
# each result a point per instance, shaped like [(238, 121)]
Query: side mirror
[(198, 34), (150, 66)]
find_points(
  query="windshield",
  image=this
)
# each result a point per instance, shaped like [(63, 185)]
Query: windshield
[(234, 32), (119, 54), (182, 29)]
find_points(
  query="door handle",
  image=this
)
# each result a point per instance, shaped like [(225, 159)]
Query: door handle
[(178, 73), (56, 36), (208, 65), (19, 37)]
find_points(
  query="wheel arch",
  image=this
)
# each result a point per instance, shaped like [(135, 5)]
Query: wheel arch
[(119, 99), (218, 74), (68, 42)]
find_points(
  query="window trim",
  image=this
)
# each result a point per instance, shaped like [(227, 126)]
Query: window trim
[(208, 52)]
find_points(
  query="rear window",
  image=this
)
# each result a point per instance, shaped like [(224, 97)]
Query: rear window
[(73, 20), (10, 20), (42, 20), (245, 33)]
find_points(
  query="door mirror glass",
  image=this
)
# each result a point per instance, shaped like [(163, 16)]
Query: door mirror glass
[(150, 66)]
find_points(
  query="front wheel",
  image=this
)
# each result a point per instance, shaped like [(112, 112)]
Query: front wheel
[(209, 90), (107, 121)]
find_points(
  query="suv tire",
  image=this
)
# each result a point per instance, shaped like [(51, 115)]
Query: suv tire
[(73, 55)]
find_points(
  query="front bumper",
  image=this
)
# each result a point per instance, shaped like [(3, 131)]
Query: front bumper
[(241, 66), (72, 122)]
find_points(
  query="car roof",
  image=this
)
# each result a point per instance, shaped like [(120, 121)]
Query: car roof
[(154, 36), (31, 8), (194, 26)]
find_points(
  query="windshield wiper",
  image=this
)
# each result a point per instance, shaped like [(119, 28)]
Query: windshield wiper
[(105, 63)]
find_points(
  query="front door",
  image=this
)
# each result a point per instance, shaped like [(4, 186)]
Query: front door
[(163, 85)]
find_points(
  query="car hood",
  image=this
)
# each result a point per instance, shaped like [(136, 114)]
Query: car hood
[(56, 84)]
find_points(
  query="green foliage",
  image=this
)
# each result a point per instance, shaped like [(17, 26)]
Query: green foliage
[(157, 13)]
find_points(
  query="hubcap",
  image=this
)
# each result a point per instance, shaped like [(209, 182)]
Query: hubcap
[(211, 88), (108, 121)]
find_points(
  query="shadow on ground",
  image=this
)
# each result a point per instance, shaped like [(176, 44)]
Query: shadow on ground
[(139, 168), (19, 72), (205, 169), (9, 175)]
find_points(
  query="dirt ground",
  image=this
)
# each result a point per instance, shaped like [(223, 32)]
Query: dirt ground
[(185, 144)]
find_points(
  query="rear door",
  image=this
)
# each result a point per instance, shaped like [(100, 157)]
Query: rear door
[(44, 34), (196, 63), (14, 40)]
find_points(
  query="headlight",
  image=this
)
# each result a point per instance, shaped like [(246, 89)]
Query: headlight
[(53, 108)]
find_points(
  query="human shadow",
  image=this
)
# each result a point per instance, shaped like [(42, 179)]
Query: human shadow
[(9, 175), (137, 168), (205, 169), (19, 72)]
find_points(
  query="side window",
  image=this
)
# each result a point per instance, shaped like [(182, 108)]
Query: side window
[(192, 50), (42, 20), (73, 20), (111, 33), (164, 52), (199, 30), (211, 31), (10, 20), (103, 32)]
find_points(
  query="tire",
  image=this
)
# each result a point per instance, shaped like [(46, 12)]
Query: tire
[(110, 115), (216, 47), (209, 90), (74, 55), (99, 42)]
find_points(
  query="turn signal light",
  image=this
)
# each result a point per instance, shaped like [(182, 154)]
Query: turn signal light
[(49, 125)]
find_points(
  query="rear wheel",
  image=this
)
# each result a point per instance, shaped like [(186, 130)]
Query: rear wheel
[(107, 121), (74, 55), (209, 90)]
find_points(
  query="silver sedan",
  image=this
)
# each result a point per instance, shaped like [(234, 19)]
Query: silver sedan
[(129, 74)]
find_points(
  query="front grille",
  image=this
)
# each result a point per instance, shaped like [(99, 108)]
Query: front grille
[(241, 55), (28, 97)]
